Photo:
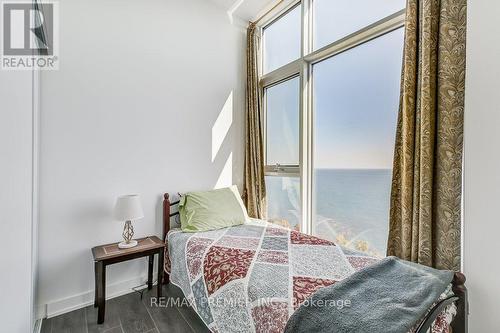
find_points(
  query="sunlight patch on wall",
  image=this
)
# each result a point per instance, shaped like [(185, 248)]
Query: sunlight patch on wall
[(222, 125), (226, 175)]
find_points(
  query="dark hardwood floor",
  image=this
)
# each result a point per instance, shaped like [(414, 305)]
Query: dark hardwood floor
[(128, 314)]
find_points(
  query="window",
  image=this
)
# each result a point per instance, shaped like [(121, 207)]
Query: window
[(330, 117), (356, 96), (282, 152), (283, 200), (282, 40), (282, 123)]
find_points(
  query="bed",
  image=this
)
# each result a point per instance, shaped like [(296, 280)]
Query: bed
[(253, 277)]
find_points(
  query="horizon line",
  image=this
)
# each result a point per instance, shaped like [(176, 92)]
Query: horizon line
[(326, 168)]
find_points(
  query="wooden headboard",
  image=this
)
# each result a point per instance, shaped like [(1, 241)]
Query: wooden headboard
[(167, 214), (459, 323)]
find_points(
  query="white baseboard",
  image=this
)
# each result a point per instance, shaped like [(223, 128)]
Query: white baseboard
[(82, 300)]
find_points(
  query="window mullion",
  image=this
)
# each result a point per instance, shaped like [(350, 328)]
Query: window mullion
[(305, 121), (307, 27)]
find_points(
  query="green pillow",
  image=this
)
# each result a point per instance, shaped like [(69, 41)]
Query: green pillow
[(210, 210)]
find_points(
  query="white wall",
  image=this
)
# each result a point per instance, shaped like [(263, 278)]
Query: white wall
[(482, 166), (149, 98), (16, 123)]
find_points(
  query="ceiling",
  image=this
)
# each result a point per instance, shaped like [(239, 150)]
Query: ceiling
[(244, 9)]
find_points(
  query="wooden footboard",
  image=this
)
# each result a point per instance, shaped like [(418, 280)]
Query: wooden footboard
[(459, 324)]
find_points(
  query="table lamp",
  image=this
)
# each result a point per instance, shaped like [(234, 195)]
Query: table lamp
[(128, 208)]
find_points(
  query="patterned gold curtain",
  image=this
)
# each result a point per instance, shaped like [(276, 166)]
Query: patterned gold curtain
[(425, 215), (254, 194)]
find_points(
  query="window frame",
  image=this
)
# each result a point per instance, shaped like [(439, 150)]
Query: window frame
[(278, 169), (303, 68)]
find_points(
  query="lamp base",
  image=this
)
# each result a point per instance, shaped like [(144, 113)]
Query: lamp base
[(125, 245)]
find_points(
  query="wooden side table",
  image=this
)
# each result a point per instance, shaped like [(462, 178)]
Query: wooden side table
[(109, 254)]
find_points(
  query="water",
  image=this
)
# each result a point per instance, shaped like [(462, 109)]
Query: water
[(350, 206)]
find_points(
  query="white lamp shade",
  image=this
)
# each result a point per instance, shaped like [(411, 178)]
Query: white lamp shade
[(128, 208)]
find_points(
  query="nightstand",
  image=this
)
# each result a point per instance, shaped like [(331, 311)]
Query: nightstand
[(109, 254)]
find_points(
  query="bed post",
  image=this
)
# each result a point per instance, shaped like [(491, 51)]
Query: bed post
[(166, 228), (460, 324)]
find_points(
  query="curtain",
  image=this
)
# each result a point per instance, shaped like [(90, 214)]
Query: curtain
[(254, 194), (425, 214)]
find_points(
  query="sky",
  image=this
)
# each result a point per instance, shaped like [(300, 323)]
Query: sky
[(356, 100), (355, 93)]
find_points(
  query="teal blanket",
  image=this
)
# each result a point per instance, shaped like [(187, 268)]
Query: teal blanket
[(390, 296)]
